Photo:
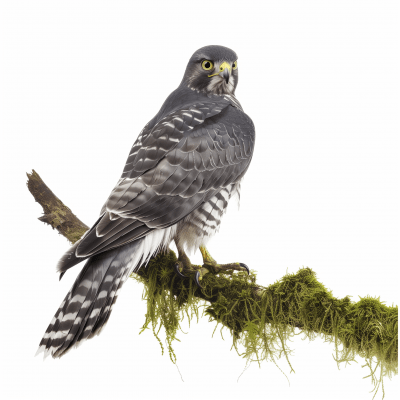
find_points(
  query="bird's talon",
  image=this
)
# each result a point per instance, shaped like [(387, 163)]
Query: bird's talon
[(197, 279), (179, 273), (245, 267)]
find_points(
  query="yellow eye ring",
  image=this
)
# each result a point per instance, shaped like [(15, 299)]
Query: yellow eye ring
[(207, 65), (234, 65)]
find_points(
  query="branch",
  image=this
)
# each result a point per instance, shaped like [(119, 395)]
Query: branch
[(260, 319), (56, 213)]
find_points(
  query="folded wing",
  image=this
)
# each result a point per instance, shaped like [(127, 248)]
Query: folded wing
[(186, 159)]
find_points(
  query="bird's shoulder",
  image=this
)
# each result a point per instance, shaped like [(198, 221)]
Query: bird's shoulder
[(180, 115), (192, 130), (199, 147)]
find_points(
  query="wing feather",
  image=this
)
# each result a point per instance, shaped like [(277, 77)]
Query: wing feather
[(175, 166)]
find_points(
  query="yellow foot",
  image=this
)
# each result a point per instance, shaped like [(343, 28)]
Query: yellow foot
[(184, 268), (210, 265)]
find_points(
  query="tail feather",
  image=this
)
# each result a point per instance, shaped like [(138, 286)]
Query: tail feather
[(53, 326), (88, 304), (108, 303), (88, 327), (73, 320)]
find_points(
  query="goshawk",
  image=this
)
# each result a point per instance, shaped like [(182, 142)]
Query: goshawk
[(181, 172)]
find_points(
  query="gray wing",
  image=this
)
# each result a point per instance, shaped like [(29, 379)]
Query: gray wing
[(186, 159)]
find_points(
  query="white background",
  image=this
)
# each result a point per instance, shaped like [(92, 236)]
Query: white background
[(79, 80)]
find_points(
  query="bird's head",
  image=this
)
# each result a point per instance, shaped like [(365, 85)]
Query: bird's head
[(212, 69)]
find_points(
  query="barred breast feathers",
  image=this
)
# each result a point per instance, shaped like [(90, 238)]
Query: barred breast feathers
[(200, 225)]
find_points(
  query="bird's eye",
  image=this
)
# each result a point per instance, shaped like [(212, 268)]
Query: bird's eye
[(234, 65), (207, 65)]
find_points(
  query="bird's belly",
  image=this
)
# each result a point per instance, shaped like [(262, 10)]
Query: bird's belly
[(197, 228)]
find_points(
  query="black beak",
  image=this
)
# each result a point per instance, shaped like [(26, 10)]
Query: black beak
[(225, 74)]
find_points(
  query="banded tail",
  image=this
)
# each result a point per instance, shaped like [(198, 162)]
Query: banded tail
[(88, 305)]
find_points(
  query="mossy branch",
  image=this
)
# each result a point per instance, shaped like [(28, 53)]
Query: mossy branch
[(56, 213), (260, 319)]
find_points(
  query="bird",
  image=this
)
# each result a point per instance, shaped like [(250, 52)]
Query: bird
[(181, 172)]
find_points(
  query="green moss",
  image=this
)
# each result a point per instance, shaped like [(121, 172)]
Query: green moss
[(73, 235), (168, 297), (262, 320)]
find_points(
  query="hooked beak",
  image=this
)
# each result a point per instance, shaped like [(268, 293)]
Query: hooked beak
[(224, 71), (225, 74)]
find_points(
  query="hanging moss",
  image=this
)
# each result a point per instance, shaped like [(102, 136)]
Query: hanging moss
[(262, 320)]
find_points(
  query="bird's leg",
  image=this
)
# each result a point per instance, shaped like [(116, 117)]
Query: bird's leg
[(207, 258), (183, 265), (184, 268), (210, 265)]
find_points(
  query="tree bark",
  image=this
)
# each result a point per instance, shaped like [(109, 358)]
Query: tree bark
[(56, 213)]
